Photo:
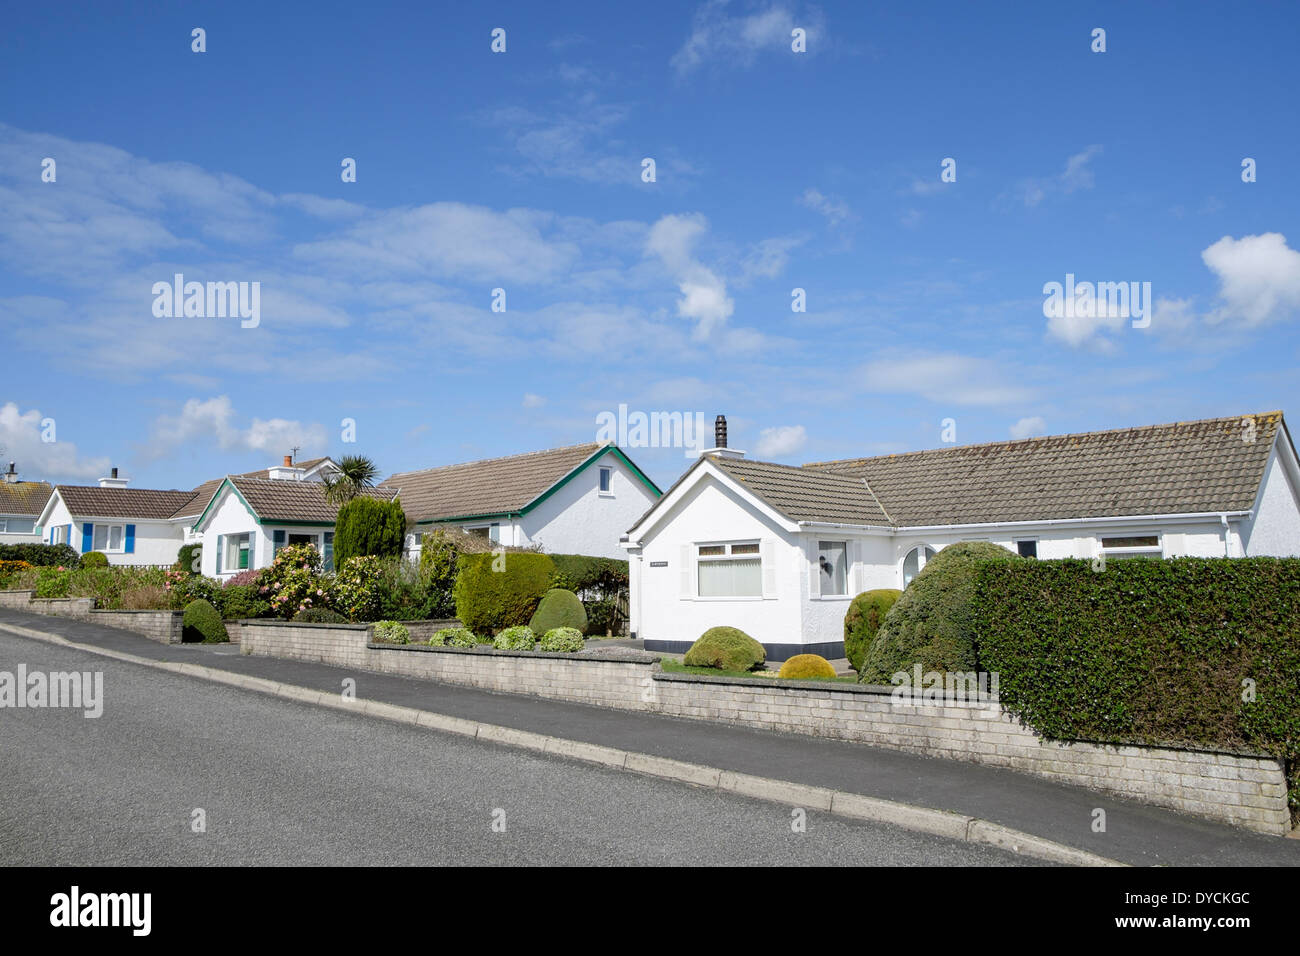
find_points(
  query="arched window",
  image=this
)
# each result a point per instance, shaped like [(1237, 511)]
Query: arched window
[(915, 561)]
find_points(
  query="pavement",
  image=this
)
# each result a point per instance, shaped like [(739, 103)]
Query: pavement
[(1054, 815)]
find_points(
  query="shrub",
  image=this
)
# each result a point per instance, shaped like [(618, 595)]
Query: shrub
[(405, 595), (932, 622), (806, 666), (202, 623), (243, 579), (189, 559), (726, 648), (580, 572), (357, 590), (438, 555), (562, 640), (146, 597), (94, 559), (453, 637), (10, 570), (517, 638), (320, 615), (495, 591), (369, 527), (52, 582), (558, 608), (391, 632), (185, 587), (865, 615), (292, 581), (1149, 651), (241, 601), (605, 617), (41, 555)]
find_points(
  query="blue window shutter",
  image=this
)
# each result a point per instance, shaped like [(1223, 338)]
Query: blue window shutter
[(87, 537), (130, 539), (69, 534), (219, 549)]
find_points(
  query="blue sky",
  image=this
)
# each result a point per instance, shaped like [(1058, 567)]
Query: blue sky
[(522, 171)]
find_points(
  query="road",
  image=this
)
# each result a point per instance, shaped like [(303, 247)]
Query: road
[(285, 783)]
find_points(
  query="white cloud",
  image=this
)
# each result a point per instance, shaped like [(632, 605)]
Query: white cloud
[(1259, 279), (1077, 175), (1029, 427), (723, 40), (1079, 329), (22, 438), (835, 210), (214, 419), (704, 298), (959, 379), (780, 441), (533, 401)]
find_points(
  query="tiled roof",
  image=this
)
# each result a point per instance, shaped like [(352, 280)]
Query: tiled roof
[(275, 499), (806, 495), (1182, 468), (307, 465), (24, 497), (91, 501), (204, 492), (492, 486)]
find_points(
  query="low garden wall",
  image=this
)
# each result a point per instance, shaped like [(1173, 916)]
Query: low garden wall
[(1241, 789), (162, 626)]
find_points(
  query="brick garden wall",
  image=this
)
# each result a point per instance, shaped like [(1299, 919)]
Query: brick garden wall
[(161, 626), (1240, 789)]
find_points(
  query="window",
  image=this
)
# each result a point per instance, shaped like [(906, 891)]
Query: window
[(730, 570), (605, 476), (17, 526), (59, 534), (236, 552), (833, 567), (1027, 548), (327, 551), (1132, 546), (108, 537), (492, 532), (915, 561)]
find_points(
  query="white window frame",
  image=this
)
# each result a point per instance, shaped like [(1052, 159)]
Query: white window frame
[(921, 560), (108, 537), (226, 541), (728, 555), (605, 476), (4, 524), (1143, 550), (848, 571)]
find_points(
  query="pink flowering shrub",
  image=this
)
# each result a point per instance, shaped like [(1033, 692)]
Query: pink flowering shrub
[(293, 581), (358, 588)]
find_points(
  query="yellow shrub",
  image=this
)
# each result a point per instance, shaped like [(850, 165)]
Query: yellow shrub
[(807, 665)]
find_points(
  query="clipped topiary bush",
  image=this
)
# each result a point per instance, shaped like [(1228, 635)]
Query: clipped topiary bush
[(933, 621), (862, 621), (368, 526), (320, 615), (562, 640), (496, 591), (559, 608), (517, 638), (189, 559), (94, 559), (453, 637), (391, 632), (806, 666), (201, 623), (726, 648)]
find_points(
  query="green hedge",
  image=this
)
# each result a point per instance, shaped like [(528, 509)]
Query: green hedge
[(862, 621), (189, 558), (581, 572), (41, 555), (1149, 651), (495, 591), (368, 526)]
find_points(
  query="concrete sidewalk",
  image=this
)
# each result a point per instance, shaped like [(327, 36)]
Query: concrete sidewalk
[(1135, 833)]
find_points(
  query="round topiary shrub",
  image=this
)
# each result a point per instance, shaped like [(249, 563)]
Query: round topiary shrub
[(453, 637), (94, 559), (805, 666), (320, 615), (202, 624), (559, 608), (865, 615), (932, 623), (726, 648), (562, 640), (391, 632), (495, 591), (517, 638)]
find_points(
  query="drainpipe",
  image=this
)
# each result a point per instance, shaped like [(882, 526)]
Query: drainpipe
[(1227, 536)]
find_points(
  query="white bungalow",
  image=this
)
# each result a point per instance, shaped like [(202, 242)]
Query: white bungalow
[(20, 508), (779, 550)]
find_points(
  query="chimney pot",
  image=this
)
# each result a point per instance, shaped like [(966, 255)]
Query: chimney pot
[(288, 461), (720, 432), (113, 473)]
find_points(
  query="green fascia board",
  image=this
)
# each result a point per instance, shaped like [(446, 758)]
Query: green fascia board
[(607, 449)]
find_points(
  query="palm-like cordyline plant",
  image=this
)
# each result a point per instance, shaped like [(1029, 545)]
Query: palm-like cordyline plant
[(355, 473)]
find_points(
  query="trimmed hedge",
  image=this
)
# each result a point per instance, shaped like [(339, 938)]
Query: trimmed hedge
[(368, 526), (862, 621), (581, 572), (320, 615), (932, 623), (562, 640), (94, 559), (202, 623), (517, 638), (495, 591), (726, 648), (558, 608), (41, 555), (1168, 652), (805, 666)]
